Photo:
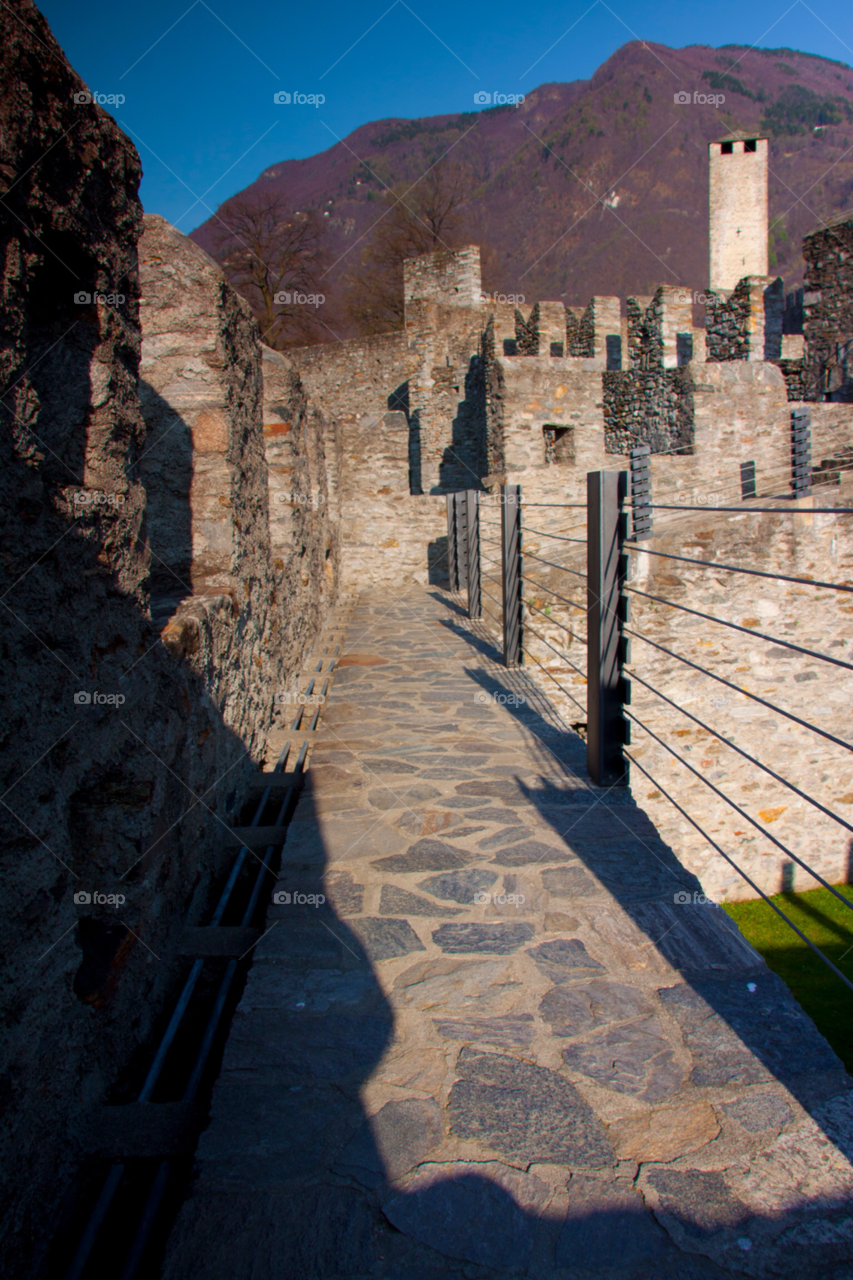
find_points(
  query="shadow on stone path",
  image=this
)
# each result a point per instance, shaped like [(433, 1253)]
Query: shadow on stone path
[(504, 1046)]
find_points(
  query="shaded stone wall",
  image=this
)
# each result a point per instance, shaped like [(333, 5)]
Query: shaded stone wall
[(580, 332), (726, 325), (114, 750), (204, 469), (828, 310), (796, 378), (139, 606), (650, 403), (302, 451), (747, 323), (527, 332), (654, 407)]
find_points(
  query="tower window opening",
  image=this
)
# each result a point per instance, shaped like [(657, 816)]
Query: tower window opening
[(726, 148)]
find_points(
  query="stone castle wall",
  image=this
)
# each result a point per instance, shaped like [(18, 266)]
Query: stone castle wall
[(302, 456), (792, 542), (828, 310), (801, 545), (139, 604), (373, 396), (108, 732)]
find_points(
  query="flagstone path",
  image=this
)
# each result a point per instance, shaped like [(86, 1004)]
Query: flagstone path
[(514, 1041)]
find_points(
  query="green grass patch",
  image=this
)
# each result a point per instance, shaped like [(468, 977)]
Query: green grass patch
[(829, 925)]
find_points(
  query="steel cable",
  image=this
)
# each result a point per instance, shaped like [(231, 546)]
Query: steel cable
[(740, 871)]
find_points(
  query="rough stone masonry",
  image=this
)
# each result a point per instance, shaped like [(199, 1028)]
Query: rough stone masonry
[(149, 624)]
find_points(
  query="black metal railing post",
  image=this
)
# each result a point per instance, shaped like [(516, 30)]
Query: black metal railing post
[(641, 490), (472, 522), (607, 648), (747, 480), (452, 561), (801, 452), (511, 574), (461, 540)]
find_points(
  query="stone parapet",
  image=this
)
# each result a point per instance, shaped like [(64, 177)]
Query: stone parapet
[(448, 277), (828, 309)]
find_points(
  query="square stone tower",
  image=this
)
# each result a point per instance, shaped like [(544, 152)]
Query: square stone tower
[(737, 209), (450, 277)]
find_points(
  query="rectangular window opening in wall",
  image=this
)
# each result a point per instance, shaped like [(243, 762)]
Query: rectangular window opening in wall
[(510, 347), (613, 346), (683, 348), (556, 348), (726, 148), (751, 144), (559, 445)]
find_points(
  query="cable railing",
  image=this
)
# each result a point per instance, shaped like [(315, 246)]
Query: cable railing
[(536, 586), (667, 703), (548, 651)]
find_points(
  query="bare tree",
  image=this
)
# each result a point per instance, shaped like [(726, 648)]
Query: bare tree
[(273, 258), (422, 217)]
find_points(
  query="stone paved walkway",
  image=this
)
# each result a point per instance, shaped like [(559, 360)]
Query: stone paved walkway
[(503, 1047)]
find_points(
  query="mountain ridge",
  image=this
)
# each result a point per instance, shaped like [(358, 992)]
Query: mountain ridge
[(597, 186)]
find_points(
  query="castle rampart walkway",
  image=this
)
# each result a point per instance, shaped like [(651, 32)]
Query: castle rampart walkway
[(513, 1040)]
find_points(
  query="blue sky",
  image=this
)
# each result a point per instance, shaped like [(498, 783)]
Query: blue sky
[(199, 76)]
